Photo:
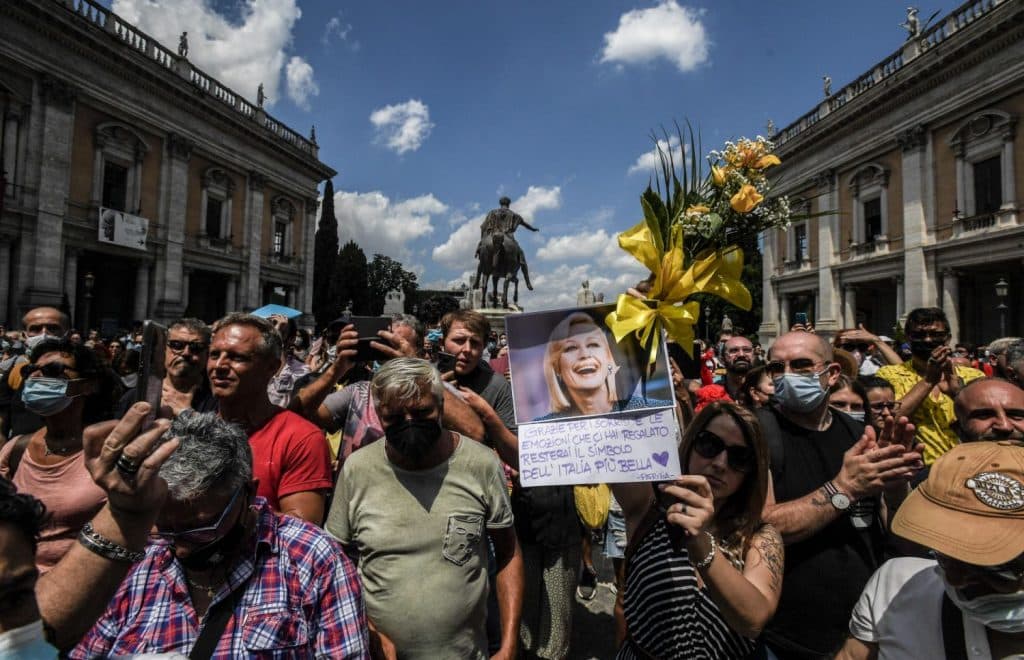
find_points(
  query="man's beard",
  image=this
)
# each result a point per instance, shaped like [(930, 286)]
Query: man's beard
[(738, 367)]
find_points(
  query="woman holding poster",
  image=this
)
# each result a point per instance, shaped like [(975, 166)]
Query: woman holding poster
[(703, 572)]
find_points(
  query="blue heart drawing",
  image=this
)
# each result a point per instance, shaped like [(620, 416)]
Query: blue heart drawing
[(661, 458)]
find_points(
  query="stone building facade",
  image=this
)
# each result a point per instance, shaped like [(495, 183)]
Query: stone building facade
[(135, 185), (915, 169)]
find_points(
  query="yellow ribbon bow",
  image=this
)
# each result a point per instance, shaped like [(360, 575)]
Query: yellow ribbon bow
[(712, 271)]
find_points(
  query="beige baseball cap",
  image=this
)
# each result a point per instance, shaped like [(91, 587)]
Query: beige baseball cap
[(971, 507)]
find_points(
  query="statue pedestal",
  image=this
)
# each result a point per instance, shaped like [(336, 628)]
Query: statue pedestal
[(496, 316)]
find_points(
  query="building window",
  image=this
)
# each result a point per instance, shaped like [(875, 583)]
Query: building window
[(988, 185), (215, 198), (869, 189), (983, 146), (872, 219), (119, 152), (801, 250), (280, 229), (115, 186), (214, 215)]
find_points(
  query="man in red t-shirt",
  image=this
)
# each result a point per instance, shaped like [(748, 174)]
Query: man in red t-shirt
[(291, 461)]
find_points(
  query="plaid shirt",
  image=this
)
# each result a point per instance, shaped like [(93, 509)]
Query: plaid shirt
[(304, 600)]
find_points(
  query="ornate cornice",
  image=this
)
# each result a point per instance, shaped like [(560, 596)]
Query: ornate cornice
[(257, 181), (179, 147), (912, 139)]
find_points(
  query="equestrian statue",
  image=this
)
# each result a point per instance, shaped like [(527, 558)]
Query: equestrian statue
[(499, 254)]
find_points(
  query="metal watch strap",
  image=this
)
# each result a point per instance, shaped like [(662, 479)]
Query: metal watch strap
[(95, 542)]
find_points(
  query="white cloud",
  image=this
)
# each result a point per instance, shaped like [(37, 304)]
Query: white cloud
[(301, 84), (649, 162), (458, 250), (336, 28), (584, 245), (380, 225), (666, 31), (241, 55), (404, 126)]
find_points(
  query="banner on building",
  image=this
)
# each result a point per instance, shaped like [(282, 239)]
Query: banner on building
[(123, 229)]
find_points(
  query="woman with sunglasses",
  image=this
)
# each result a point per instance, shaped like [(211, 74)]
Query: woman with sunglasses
[(703, 572), (61, 386)]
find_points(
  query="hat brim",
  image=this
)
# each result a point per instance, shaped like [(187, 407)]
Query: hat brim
[(969, 537)]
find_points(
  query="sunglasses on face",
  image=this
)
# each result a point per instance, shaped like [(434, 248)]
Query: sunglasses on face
[(863, 348), (48, 370), (709, 446), (179, 346), (201, 535)]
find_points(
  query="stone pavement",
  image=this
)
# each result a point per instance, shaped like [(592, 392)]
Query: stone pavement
[(593, 623)]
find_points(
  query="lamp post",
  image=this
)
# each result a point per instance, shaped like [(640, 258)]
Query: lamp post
[(1002, 288), (90, 282), (707, 323)]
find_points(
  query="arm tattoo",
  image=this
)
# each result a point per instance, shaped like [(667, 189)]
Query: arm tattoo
[(772, 553)]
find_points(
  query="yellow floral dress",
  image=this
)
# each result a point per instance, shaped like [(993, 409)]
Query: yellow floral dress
[(934, 417)]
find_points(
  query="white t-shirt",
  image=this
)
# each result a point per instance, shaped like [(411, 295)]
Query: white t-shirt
[(900, 610)]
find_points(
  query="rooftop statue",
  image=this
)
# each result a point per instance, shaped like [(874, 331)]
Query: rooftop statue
[(183, 45)]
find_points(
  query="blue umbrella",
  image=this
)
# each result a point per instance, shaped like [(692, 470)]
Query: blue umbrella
[(270, 310)]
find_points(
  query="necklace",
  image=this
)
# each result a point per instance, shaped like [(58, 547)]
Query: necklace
[(60, 451), (210, 589)]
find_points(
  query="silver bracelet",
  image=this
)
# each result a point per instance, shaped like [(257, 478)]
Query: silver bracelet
[(710, 557), (94, 542)]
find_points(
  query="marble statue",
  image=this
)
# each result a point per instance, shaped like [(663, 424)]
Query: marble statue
[(183, 45)]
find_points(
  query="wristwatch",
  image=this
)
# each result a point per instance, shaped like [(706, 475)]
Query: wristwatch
[(839, 499)]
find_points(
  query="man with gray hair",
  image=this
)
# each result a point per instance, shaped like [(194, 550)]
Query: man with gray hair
[(997, 349), (228, 577), (418, 509), (1015, 363), (291, 461)]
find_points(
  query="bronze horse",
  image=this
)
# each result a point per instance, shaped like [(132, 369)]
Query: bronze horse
[(500, 257)]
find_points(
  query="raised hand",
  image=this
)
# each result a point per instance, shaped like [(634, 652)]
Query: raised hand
[(694, 511), (869, 468)]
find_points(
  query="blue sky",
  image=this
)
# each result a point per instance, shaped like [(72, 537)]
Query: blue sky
[(430, 111)]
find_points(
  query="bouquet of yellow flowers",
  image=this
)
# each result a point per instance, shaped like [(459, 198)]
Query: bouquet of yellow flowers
[(687, 238)]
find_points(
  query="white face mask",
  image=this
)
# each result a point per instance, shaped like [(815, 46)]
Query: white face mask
[(1000, 612), (857, 415), (35, 340)]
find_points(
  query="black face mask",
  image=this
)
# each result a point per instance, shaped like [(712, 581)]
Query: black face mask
[(216, 552), (413, 438), (923, 349)]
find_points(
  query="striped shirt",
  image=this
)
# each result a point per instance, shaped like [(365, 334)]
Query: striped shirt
[(303, 600), (667, 613)]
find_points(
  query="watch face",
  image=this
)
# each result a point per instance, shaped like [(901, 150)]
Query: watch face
[(841, 501)]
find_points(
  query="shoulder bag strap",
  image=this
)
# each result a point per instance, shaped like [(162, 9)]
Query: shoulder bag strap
[(17, 452), (216, 621), (953, 639)]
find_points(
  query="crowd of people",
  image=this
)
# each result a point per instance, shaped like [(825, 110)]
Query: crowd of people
[(852, 498)]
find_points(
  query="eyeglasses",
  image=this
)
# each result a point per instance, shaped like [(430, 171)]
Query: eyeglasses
[(802, 366), (885, 405), (48, 370), (201, 535), (708, 445), (179, 346), (1011, 571), (862, 348)]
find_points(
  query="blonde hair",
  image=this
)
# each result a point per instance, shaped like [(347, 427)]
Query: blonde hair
[(573, 324)]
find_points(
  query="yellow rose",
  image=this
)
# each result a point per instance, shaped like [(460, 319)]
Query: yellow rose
[(767, 161), (717, 176), (697, 209), (746, 199)]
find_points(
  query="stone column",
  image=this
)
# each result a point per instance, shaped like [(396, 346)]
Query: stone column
[(900, 309), (9, 158), (827, 308), (308, 262), (55, 170), (850, 306), (5, 284), (951, 302), (920, 289), (769, 299), (178, 151), (185, 273), (71, 282), (785, 318), (230, 301), (1009, 176), (290, 290), (141, 310), (252, 241)]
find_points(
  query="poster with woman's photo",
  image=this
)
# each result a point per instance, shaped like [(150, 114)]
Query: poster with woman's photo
[(589, 409), (566, 363)]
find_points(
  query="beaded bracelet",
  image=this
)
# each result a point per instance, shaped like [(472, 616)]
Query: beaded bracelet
[(94, 542), (708, 558)]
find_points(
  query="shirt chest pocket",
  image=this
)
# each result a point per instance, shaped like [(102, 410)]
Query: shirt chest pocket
[(275, 632), (462, 537)]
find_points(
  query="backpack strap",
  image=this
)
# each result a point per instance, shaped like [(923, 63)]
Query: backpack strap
[(17, 452), (953, 639), (772, 434)]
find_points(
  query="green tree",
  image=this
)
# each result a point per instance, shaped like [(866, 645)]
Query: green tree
[(324, 259), (433, 308), (351, 281), (386, 274)]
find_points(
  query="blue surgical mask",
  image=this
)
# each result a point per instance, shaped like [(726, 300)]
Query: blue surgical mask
[(799, 393), (1000, 612), (46, 396), (857, 415)]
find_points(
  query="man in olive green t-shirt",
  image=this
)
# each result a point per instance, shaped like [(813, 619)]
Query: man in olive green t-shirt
[(416, 511)]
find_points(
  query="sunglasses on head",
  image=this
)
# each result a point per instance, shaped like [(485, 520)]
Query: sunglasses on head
[(708, 445), (201, 535), (178, 346)]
